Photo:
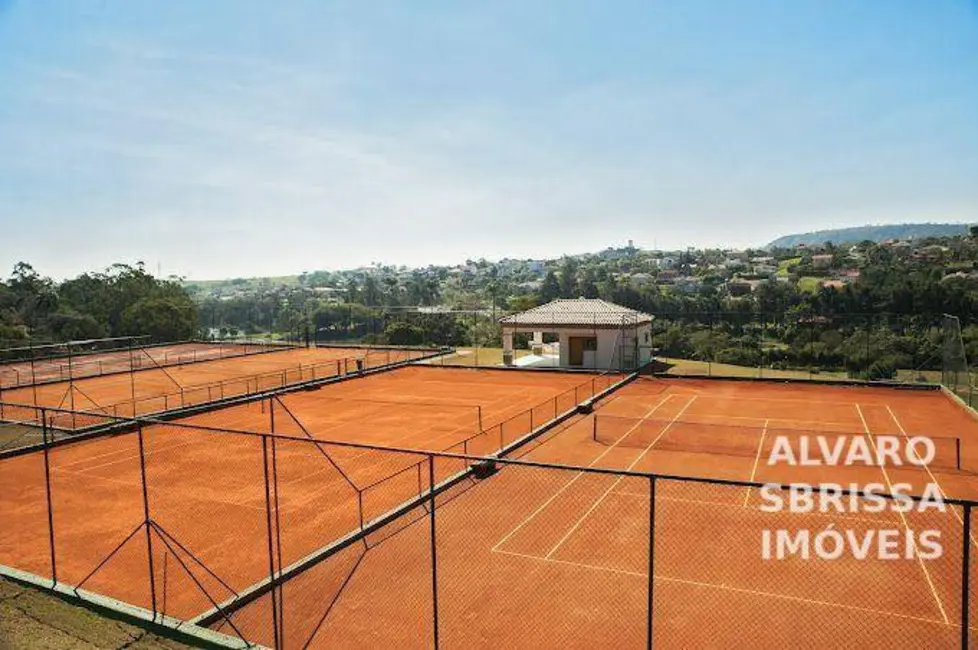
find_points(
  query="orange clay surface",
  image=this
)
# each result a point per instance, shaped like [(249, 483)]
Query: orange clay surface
[(90, 364), (206, 490), (548, 558), (530, 557), (214, 379)]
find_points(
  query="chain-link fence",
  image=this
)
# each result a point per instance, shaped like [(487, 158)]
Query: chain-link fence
[(83, 411), (280, 539), (27, 366)]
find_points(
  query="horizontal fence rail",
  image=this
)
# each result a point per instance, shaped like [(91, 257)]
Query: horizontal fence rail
[(183, 397)]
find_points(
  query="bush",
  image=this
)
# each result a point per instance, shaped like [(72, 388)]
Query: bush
[(881, 369)]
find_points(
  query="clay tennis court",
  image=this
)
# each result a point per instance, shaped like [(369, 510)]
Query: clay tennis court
[(206, 488), (531, 556), (157, 389), (89, 364), (538, 557)]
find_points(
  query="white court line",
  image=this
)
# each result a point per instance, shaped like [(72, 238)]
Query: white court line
[(757, 459), (830, 515), (129, 457), (739, 590), (96, 477), (631, 466), (569, 483), (903, 517), (933, 478)]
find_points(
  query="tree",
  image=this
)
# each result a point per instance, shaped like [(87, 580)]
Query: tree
[(163, 319), (589, 283), (402, 333), (568, 278), (550, 289)]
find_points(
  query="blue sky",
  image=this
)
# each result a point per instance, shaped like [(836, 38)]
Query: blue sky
[(220, 139)]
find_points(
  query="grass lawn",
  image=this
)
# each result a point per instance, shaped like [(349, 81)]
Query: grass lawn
[(689, 367), (30, 619), (784, 264), (475, 357), (809, 284)]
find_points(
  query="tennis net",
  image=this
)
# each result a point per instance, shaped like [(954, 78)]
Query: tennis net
[(751, 441)]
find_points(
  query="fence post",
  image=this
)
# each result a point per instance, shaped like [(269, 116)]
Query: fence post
[(271, 549), (966, 576), (434, 556), (47, 488), (146, 517), (651, 585)]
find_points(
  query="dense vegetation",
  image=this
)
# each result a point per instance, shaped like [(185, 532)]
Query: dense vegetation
[(886, 316), (889, 318), (875, 234), (121, 301)]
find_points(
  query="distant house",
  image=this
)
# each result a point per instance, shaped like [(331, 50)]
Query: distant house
[(933, 253), (639, 280), (833, 284), (688, 284), (822, 261), (667, 276), (666, 262), (739, 287)]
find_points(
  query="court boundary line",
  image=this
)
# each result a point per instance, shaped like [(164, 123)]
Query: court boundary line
[(933, 478), (903, 517), (724, 504), (731, 588), (570, 482), (757, 459), (630, 467)]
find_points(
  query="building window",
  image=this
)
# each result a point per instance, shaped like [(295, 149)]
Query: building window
[(590, 344)]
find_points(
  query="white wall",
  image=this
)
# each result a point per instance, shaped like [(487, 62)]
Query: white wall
[(644, 343), (606, 355)]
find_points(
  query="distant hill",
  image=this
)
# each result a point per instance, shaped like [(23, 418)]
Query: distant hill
[(872, 233)]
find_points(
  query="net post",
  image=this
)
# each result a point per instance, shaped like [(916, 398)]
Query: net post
[(651, 584), (146, 517), (434, 556), (594, 427), (479, 407), (957, 453), (269, 536), (47, 491), (965, 576)]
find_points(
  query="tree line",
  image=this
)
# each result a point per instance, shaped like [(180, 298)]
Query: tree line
[(123, 300)]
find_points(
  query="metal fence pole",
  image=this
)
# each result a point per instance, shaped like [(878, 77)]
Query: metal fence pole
[(47, 488), (33, 374), (271, 545), (434, 555), (651, 585), (966, 576), (146, 518)]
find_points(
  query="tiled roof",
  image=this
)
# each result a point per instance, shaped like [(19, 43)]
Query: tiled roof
[(579, 311)]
